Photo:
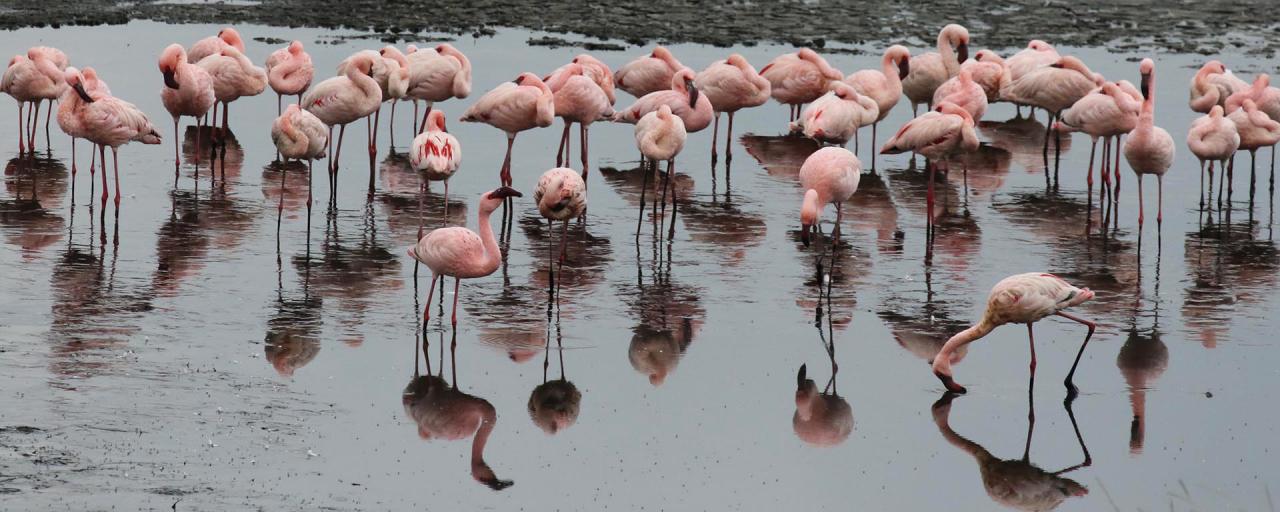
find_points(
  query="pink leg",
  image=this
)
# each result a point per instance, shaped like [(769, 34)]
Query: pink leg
[(115, 161), (73, 159), (177, 161), (728, 141), (35, 118), (564, 141), (715, 137), (505, 173), (22, 128), (1031, 336), (102, 155), (426, 311)]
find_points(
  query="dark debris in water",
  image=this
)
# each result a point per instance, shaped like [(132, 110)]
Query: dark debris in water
[(557, 42), (1143, 23)]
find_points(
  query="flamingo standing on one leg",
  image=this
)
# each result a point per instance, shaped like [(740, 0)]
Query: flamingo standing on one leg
[(234, 76), (289, 72), (213, 45), (1150, 149), (342, 99), (1213, 138), (660, 136), (941, 134), (300, 135), (836, 117), (460, 253), (1212, 84), (110, 121), (684, 99), (930, 70), (393, 81), (648, 74), (1036, 55), (829, 176), (513, 107), (436, 155), (1267, 98), (964, 92), (1022, 299), (1256, 130), (561, 196), (731, 85), (438, 75), (799, 78), (1053, 88), (578, 99), (188, 91), (883, 85)]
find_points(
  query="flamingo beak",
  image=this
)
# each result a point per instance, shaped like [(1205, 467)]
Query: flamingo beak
[(963, 50), (904, 68), (800, 376), (1146, 86), (505, 192), (693, 93), (79, 87), (804, 234), (950, 383), (169, 80)]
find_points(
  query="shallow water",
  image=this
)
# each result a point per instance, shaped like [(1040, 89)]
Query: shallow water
[(167, 355)]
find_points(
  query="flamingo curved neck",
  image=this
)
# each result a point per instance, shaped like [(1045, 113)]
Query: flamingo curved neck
[(492, 254)]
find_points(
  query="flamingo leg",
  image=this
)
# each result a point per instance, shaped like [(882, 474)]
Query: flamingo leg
[(176, 160), (115, 161), (35, 121), (644, 168), (582, 139), (564, 139), (414, 120), (873, 145), (1202, 185), (671, 176), (929, 197), (342, 131), (280, 211), (22, 129), (73, 160), (1031, 339), (835, 231), (391, 125), (564, 239), (1159, 201), (715, 137), (1071, 387), (425, 113), (505, 173), (199, 129), (456, 281), (1140, 208), (728, 143), (426, 311), (1092, 148), (102, 156), (310, 168), (1115, 168), (226, 129)]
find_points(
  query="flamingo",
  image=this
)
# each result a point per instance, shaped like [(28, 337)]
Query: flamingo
[(1150, 149), (578, 99), (437, 75), (289, 72), (829, 176), (301, 135), (835, 117), (513, 107), (436, 155), (561, 195), (1256, 131), (963, 91), (460, 253), (1053, 88), (648, 74), (60, 61), (443, 412), (234, 76), (883, 85), (1267, 98), (598, 72), (1106, 112), (1023, 299), (821, 418), (393, 82), (1036, 55), (213, 45), (941, 134), (731, 85), (930, 70), (684, 98), (1212, 84), (660, 135), (1213, 138), (188, 91), (31, 80), (799, 78), (989, 70), (109, 121), (342, 99)]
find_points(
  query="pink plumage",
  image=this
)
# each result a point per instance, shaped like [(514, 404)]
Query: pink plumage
[(800, 77), (682, 97), (289, 70), (829, 176), (648, 74)]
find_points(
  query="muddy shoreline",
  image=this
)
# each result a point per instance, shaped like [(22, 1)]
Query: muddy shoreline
[(1182, 27)]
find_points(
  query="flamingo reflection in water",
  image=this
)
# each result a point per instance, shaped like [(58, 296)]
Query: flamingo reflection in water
[(554, 404), (1016, 483), (822, 418), (443, 411)]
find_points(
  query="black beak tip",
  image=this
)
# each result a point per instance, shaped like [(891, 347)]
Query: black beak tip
[(800, 376)]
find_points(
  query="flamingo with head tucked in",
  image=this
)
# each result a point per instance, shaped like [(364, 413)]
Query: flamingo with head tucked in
[(836, 117), (930, 70), (213, 45), (731, 85), (578, 99), (300, 135), (683, 97), (1106, 112), (289, 72), (437, 75), (436, 155), (1257, 130), (660, 135), (942, 134), (989, 70), (561, 195), (342, 99), (234, 76), (1212, 84), (883, 85), (965, 92), (188, 91), (1266, 97), (521, 104), (1036, 55), (799, 78), (648, 74), (1213, 138)]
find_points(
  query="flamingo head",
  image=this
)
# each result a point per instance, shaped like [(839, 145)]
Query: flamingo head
[(957, 37), (683, 81), (1216, 112), (806, 389), (392, 53), (843, 91), (947, 107), (1039, 46), (363, 63), (988, 56), (170, 59), (435, 121), (230, 36), (445, 49), (664, 112), (491, 200), (293, 108), (1262, 81), (661, 53), (1073, 64), (76, 81), (295, 47), (809, 210), (902, 56), (737, 61), (410, 49), (1213, 66), (1146, 68)]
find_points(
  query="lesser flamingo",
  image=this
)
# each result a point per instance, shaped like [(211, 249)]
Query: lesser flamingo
[(649, 73), (731, 85), (930, 70), (561, 195), (799, 78), (883, 85), (188, 91), (660, 136), (829, 176)]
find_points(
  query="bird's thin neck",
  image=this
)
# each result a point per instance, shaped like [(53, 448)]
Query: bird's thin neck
[(492, 254)]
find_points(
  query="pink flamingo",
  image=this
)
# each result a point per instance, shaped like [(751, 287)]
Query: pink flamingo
[(731, 85), (1036, 55), (342, 99), (1106, 112), (1021, 299), (109, 121), (940, 134), (1213, 138), (1256, 130), (660, 136), (437, 75), (188, 91), (930, 70), (963, 91), (799, 78), (513, 107), (1212, 85), (445, 412), (561, 196), (460, 253), (213, 45), (835, 117), (1267, 98), (988, 69), (234, 76), (289, 72), (1053, 88), (436, 155), (578, 99), (883, 85), (648, 74), (684, 98), (31, 80), (599, 72), (829, 176), (393, 82), (60, 61), (300, 135), (69, 116), (1150, 149)]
